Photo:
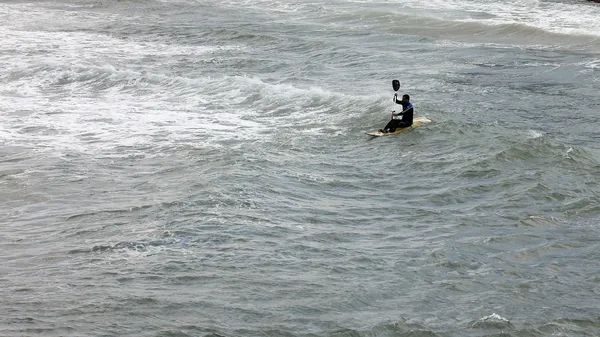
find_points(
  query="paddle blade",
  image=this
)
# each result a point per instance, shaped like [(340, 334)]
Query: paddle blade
[(396, 85)]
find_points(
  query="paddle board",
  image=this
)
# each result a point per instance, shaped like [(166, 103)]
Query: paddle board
[(417, 121)]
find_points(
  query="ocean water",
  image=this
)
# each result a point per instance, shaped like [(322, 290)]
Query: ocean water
[(200, 168)]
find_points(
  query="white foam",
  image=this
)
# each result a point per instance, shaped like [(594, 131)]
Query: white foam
[(494, 317), (556, 17), (89, 93), (573, 18), (533, 134)]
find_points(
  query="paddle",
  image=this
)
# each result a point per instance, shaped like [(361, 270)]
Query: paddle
[(396, 86)]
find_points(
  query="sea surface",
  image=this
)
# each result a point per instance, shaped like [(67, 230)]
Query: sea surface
[(200, 168)]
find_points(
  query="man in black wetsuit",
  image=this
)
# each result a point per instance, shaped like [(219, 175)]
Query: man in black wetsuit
[(407, 115)]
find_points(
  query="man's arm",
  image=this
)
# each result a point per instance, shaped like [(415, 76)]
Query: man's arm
[(398, 102), (404, 109)]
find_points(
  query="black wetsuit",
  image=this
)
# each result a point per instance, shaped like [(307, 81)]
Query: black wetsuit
[(407, 118)]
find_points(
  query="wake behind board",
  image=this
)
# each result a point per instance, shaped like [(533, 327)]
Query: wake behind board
[(418, 121)]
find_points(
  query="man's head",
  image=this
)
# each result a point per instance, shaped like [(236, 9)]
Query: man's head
[(405, 98)]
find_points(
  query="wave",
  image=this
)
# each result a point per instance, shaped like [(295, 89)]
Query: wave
[(573, 18), (516, 22), (488, 326), (472, 31)]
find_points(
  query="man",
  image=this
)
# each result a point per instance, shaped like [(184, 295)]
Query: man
[(407, 115)]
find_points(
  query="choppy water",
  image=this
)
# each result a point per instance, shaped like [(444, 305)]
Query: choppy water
[(199, 168)]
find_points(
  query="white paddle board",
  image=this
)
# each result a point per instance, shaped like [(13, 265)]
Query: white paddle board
[(417, 121)]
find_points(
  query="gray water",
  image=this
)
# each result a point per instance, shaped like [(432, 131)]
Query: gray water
[(200, 168)]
